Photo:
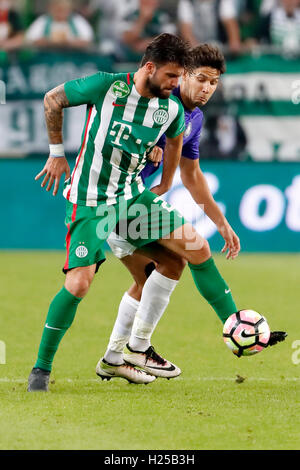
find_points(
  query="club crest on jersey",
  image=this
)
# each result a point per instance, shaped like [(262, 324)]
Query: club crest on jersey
[(160, 116), (188, 130), (81, 251), (120, 89)]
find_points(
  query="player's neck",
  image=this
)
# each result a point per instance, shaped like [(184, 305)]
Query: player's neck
[(186, 101)]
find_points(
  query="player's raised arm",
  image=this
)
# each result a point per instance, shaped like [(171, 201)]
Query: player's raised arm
[(194, 180), (172, 154), (54, 103)]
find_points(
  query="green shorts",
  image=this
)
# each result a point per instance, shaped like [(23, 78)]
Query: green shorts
[(141, 220)]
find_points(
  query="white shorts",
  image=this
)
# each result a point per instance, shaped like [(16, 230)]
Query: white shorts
[(119, 246)]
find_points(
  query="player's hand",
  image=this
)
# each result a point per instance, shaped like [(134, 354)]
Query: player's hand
[(159, 189), (232, 242), (53, 171), (155, 156)]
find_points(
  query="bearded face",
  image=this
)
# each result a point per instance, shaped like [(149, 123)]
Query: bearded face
[(162, 81), (156, 89)]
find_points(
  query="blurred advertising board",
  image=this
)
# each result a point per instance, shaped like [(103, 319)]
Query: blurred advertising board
[(260, 200)]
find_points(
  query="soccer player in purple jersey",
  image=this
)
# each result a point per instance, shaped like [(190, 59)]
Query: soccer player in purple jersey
[(145, 302), (193, 125)]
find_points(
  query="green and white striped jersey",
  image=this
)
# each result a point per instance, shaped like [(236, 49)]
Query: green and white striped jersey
[(121, 127)]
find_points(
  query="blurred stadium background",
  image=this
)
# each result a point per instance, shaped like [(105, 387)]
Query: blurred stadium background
[(250, 153), (249, 148)]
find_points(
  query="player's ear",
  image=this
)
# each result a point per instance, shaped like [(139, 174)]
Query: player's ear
[(150, 68)]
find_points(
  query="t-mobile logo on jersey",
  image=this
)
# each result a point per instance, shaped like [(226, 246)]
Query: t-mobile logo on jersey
[(2, 92), (123, 132), (2, 352)]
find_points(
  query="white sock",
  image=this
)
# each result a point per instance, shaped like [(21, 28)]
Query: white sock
[(121, 330), (155, 298)]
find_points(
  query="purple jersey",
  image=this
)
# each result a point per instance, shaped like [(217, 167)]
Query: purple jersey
[(191, 137)]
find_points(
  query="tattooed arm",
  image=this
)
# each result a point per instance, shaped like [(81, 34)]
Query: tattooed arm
[(54, 103)]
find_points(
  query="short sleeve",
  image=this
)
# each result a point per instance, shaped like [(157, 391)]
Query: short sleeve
[(88, 89), (178, 124)]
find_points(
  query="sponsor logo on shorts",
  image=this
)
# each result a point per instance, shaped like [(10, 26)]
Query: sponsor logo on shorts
[(120, 89), (160, 116), (81, 251)]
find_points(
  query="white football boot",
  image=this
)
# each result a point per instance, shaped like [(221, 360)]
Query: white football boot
[(151, 362), (108, 371)]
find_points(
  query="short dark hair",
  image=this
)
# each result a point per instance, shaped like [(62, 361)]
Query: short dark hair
[(167, 48), (207, 55)]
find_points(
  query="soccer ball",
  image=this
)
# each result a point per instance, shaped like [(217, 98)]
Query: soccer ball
[(246, 332)]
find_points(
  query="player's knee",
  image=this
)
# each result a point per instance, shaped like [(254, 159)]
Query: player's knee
[(78, 285), (202, 254), (173, 268), (205, 250)]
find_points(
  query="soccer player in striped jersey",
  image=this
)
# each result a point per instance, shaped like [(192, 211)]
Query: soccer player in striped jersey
[(126, 116), (146, 300)]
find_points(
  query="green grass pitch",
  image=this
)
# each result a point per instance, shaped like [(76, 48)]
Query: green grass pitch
[(207, 407)]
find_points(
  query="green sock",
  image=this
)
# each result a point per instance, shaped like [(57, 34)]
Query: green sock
[(213, 288), (60, 316)]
